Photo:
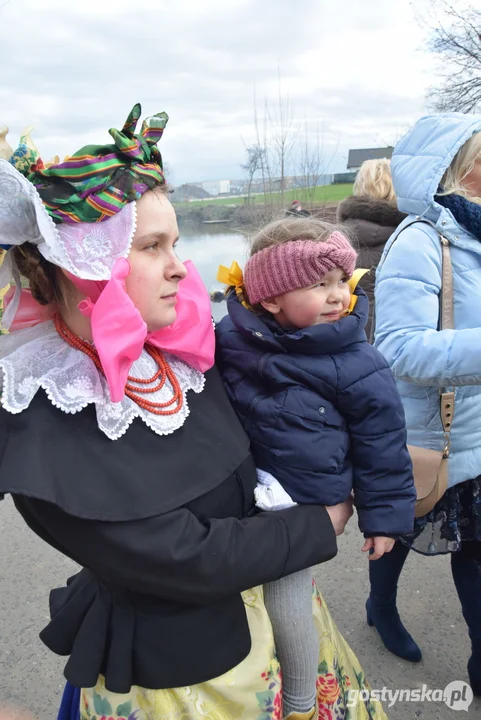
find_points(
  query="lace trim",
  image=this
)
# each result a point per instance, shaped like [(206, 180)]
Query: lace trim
[(93, 248), (132, 231), (44, 221), (87, 250), (23, 216), (38, 358)]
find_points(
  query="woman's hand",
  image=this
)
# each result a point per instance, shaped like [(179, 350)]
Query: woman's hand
[(340, 515)]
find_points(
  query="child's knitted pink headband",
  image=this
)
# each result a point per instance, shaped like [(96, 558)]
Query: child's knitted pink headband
[(296, 264)]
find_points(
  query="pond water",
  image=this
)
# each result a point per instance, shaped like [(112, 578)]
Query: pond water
[(209, 246)]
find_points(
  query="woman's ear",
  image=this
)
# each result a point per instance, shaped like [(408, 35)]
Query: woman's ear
[(271, 305)]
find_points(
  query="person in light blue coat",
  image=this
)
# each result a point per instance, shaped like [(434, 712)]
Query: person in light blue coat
[(436, 171)]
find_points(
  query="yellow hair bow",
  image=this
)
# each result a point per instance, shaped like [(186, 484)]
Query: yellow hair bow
[(234, 278), (353, 283)]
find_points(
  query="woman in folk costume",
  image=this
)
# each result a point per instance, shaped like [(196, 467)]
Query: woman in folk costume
[(121, 450)]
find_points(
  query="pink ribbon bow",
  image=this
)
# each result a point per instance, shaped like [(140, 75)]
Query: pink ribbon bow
[(119, 332)]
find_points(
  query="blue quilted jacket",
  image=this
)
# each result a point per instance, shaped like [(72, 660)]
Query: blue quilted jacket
[(322, 411)]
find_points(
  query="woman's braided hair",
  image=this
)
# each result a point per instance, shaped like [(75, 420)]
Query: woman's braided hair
[(43, 277)]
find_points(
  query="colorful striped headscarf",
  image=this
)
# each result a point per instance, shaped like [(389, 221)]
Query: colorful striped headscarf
[(98, 181)]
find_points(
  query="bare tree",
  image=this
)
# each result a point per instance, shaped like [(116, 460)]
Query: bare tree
[(457, 41), (255, 161), (284, 133), (311, 161), (268, 161), (262, 145), (271, 154)]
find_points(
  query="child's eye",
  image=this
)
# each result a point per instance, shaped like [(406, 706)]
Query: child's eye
[(343, 281)]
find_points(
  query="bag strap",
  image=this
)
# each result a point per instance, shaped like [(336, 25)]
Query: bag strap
[(446, 322), (447, 290)]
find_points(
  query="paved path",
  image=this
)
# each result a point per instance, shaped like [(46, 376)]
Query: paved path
[(32, 676)]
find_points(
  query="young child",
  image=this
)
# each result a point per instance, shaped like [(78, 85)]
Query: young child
[(320, 407)]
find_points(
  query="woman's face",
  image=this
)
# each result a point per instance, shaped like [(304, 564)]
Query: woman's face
[(155, 269), (472, 181)]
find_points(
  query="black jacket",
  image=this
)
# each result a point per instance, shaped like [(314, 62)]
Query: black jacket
[(165, 530), (372, 223)]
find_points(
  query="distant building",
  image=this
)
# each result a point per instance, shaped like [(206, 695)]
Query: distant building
[(188, 192), (303, 181), (214, 187), (357, 157), (347, 177), (237, 186)]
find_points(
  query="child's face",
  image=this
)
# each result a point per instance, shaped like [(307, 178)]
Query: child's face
[(317, 304)]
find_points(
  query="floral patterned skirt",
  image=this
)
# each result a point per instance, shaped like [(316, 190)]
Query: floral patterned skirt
[(253, 689), (455, 519)]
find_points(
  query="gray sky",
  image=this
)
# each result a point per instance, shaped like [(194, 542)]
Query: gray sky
[(354, 69)]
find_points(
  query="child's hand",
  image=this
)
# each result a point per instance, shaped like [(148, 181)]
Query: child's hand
[(379, 546)]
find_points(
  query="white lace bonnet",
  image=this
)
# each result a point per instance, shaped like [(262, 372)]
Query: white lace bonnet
[(87, 250)]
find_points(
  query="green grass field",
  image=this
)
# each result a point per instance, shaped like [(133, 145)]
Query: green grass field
[(322, 194)]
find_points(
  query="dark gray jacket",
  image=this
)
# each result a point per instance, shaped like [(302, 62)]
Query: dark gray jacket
[(372, 223)]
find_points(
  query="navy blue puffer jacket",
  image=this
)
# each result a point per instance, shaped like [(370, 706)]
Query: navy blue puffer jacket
[(322, 411)]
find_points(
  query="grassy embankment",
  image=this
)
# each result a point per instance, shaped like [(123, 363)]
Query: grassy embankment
[(320, 195)]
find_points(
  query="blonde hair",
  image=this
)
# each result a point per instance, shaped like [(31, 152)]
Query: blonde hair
[(290, 229), (461, 165), (374, 180)]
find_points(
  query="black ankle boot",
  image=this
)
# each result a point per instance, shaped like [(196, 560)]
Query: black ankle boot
[(467, 578), (474, 672), (381, 605)]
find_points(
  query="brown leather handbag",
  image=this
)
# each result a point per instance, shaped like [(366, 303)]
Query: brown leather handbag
[(430, 467)]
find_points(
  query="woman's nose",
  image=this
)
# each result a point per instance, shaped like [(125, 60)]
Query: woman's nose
[(177, 269)]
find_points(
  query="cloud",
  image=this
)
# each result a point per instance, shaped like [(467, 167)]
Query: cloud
[(75, 69)]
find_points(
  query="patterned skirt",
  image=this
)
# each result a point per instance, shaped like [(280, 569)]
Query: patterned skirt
[(455, 519), (253, 689)]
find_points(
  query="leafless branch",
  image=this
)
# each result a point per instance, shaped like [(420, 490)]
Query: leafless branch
[(284, 133), (457, 43), (311, 159), (253, 164)]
